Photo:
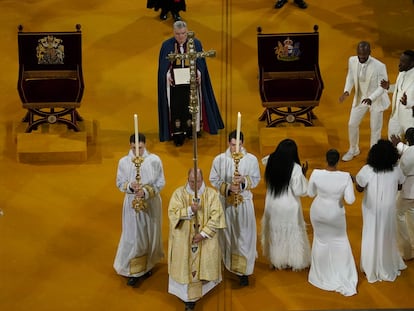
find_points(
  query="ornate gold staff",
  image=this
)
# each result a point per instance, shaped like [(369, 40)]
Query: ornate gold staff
[(192, 56), (236, 198), (138, 204)]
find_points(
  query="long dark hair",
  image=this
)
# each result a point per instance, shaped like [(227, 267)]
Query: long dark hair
[(382, 156), (280, 166)]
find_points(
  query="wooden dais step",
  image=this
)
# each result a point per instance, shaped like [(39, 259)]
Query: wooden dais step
[(54, 143)]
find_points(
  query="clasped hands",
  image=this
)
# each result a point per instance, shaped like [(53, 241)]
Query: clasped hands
[(195, 207), (138, 191), (236, 182)]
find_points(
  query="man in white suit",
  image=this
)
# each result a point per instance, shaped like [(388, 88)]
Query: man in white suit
[(405, 201), (402, 114), (365, 74)]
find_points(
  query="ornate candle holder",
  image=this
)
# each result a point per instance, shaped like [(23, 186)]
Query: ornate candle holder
[(138, 204), (236, 198)]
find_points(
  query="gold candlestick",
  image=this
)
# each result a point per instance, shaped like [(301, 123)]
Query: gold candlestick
[(236, 198), (138, 204)]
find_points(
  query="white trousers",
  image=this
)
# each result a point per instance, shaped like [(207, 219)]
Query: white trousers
[(405, 225), (355, 118)]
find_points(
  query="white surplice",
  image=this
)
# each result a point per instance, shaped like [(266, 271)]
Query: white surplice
[(239, 237), (141, 231)]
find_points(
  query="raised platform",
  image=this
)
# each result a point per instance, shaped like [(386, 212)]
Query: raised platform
[(312, 141), (54, 143)]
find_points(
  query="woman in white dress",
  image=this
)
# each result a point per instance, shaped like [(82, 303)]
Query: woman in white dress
[(333, 265), (380, 179), (284, 239)]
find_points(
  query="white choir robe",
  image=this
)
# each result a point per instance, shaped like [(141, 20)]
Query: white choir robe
[(380, 257), (141, 231), (238, 240)]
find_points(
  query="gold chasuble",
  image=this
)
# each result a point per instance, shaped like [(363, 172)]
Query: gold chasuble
[(189, 263)]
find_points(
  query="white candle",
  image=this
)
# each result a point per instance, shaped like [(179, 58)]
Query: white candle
[(136, 135), (238, 132)]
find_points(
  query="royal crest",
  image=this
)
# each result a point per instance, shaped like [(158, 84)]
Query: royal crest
[(288, 50), (50, 51)]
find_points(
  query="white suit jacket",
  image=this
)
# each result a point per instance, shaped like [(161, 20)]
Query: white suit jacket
[(407, 87), (407, 167), (375, 72)]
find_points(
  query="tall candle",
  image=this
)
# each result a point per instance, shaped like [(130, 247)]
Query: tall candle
[(238, 132), (136, 135)]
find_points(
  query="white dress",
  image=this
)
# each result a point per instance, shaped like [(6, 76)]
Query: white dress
[(333, 265), (380, 257), (284, 239), (141, 231)]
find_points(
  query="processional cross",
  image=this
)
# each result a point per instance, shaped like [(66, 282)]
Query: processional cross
[(194, 107)]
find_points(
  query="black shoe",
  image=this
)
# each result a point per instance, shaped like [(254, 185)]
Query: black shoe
[(179, 139), (189, 306), (147, 275), (176, 17), (244, 280), (132, 281), (300, 3), (280, 3), (163, 15)]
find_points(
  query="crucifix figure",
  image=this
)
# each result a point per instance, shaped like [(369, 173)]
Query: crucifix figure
[(194, 107)]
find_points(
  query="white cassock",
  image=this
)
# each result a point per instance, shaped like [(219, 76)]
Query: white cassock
[(140, 246), (238, 240)]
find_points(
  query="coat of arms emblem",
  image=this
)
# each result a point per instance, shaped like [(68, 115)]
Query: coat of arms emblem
[(50, 50), (288, 50)]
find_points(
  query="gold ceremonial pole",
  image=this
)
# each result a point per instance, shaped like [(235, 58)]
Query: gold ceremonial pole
[(191, 55)]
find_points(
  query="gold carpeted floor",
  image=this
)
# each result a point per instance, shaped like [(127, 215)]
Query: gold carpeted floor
[(62, 221)]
